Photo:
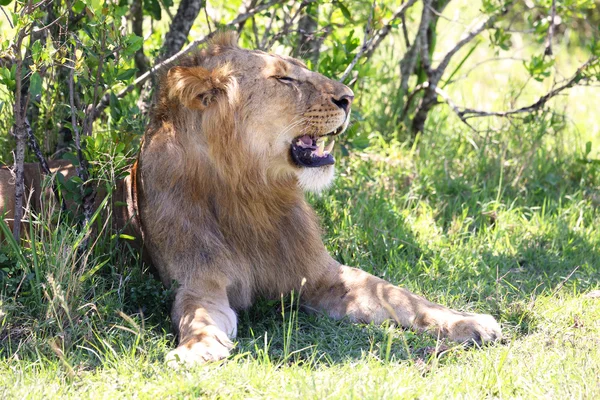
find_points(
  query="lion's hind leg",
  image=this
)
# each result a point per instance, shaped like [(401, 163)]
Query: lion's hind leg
[(362, 297), (205, 323)]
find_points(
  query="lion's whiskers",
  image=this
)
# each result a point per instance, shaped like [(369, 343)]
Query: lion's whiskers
[(292, 125)]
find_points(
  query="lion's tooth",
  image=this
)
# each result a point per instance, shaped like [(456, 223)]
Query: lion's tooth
[(320, 147), (329, 147)]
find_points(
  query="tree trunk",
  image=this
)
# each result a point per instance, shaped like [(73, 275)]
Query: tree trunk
[(180, 27), (308, 44), (137, 22)]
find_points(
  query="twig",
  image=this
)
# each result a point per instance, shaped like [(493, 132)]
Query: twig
[(164, 6), (261, 44), (33, 144), (387, 28), (487, 23), (286, 26), (440, 92), (478, 64), (560, 285), (105, 100), (43, 28), (7, 18), (548, 51), (435, 74), (366, 42), (210, 29), (466, 113), (245, 7)]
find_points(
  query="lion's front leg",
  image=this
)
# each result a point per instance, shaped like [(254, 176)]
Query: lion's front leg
[(365, 298), (205, 323)]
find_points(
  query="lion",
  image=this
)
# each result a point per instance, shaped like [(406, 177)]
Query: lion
[(234, 140)]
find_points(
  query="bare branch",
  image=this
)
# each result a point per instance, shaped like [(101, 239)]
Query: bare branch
[(387, 28), (487, 23), (287, 24), (210, 29), (43, 28), (466, 113), (262, 43), (164, 6), (246, 6), (101, 106), (7, 18), (434, 75), (366, 41)]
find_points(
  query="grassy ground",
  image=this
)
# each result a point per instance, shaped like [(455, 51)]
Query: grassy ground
[(504, 227)]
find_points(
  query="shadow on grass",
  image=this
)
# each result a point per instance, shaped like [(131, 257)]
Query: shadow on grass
[(288, 336)]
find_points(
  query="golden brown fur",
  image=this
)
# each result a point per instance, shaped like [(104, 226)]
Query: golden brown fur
[(222, 209)]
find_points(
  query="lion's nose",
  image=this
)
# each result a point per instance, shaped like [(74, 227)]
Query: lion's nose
[(343, 102)]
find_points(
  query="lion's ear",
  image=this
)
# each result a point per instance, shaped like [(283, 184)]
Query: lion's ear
[(197, 87)]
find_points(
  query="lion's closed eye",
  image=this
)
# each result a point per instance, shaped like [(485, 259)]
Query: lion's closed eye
[(284, 79)]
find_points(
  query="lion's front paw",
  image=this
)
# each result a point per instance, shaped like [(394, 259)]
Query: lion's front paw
[(199, 350), (478, 328)]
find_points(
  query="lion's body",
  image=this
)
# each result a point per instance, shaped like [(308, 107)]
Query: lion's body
[(218, 193)]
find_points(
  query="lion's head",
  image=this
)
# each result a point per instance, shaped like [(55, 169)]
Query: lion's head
[(266, 112)]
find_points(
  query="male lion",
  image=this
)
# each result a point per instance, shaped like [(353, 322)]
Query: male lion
[(235, 138)]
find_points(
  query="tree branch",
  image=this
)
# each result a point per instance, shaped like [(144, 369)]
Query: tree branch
[(435, 74), (180, 27), (20, 133), (363, 48), (467, 113), (387, 28), (487, 23)]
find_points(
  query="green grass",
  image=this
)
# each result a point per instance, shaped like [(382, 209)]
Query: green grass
[(505, 226)]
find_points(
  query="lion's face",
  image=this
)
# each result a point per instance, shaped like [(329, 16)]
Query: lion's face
[(265, 111)]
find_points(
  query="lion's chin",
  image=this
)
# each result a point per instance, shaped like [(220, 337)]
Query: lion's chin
[(315, 180)]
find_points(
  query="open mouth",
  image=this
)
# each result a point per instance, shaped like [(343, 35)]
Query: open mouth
[(311, 152)]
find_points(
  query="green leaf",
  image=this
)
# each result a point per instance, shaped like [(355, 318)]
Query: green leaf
[(78, 6), (5, 2), (152, 7), (35, 84), (133, 44), (345, 11), (126, 74), (69, 157), (588, 148)]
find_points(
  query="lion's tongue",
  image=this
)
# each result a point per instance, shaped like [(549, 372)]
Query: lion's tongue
[(305, 141)]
